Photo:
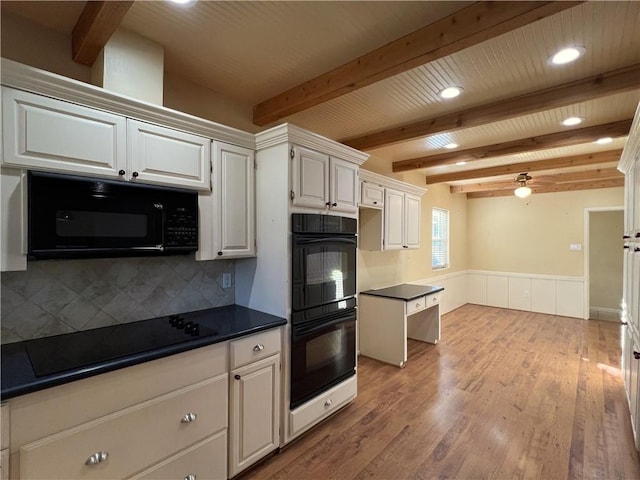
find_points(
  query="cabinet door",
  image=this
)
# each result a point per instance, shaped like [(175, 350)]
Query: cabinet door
[(412, 214), (165, 156), (310, 178), (13, 218), (48, 134), (234, 216), (372, 195), (393, 219), (634, 196), (343, 182), (254, 413)]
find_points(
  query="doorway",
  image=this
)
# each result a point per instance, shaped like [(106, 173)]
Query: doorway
[(603, 259)]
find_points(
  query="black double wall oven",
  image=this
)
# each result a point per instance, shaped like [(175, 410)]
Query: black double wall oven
[(323, 318)]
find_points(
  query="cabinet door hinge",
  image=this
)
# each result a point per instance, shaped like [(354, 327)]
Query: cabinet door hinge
[(292, 153), (292, 195)]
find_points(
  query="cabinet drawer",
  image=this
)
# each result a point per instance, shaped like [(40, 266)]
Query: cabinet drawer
[(416, 305), (433, 299), (315, 410), (206, 459), (254, 347), (153, 429), (76, 403)]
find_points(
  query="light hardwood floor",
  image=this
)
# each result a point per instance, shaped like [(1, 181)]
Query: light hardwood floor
[(506, 394)]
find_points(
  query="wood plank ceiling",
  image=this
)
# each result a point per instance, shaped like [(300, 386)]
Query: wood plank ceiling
[(369, 73)]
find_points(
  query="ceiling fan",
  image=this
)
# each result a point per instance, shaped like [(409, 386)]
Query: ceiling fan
[(522, 191)]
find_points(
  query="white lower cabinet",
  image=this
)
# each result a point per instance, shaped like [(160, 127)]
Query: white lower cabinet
[(152, 417), (254, 401)]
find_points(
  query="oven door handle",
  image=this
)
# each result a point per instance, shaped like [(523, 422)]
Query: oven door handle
[(300, 330), (315, 241)]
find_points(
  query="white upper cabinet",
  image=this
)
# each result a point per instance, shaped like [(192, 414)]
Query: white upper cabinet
[(343, 186), (397, 224), (402, 220), (165, 156), (227, 214), (321, 181), (48, 134), (43, 133), (371, 195)]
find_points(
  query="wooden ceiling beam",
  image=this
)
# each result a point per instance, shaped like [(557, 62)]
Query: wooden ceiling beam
[(469, 26), (563, 187), (542, 180), (95, 25), (543, 142), (532, 166), (608, 83)]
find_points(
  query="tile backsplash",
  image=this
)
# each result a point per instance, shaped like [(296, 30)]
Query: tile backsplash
[(63, 296)]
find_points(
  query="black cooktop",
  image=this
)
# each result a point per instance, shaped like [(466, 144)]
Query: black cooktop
[(63, 352)]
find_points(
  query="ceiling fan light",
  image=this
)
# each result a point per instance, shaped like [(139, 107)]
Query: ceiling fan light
[(522, 192), (566, 55), (450, 92)]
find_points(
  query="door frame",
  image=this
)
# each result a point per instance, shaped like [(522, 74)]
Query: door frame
[(587, 266)]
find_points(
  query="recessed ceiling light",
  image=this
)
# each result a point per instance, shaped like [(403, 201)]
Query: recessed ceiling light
[(461, 163), (183, 2), (569, 122), (450, 92), (566, 55), (451, 146), (604, 140)]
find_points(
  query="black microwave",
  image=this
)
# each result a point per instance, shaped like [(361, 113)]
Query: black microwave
[(73, 216)]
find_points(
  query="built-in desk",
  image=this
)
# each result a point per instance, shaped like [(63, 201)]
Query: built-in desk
[(388, 316)]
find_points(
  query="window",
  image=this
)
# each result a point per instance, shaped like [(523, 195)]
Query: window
[(440, 239)]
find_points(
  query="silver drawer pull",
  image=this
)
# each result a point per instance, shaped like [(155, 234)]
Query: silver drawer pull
[(435, 300), (258, 348), (418, 305), (328, 403), (96, 458), (190, 477), (188, 418)]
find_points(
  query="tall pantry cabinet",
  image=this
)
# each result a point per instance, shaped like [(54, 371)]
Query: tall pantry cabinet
[(630, 165)]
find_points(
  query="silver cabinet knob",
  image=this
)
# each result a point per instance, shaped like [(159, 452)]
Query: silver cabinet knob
[(435, 300), (190, 477), (188, 418), (417, 304), (258, 348), (96, 458), (328, 403)]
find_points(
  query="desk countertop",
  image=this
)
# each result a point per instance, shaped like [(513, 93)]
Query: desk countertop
[(404, 291)]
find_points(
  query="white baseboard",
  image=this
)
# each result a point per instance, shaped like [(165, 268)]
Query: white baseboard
[(604, 313)]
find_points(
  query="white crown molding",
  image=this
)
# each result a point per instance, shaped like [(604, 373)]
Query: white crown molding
[(30, 79), (631, 149), (288, 133), (383, 181)]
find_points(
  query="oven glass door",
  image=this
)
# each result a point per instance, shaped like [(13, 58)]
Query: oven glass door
[(324, 269), (322, 355)]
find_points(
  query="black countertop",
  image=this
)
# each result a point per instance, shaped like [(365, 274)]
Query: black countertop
[(119, 346), (404, 291)]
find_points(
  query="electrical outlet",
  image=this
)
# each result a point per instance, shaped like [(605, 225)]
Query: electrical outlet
[(576, 247), (226, 280), (526, 293)]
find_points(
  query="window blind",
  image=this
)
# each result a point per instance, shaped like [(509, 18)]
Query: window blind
[(440, 238)]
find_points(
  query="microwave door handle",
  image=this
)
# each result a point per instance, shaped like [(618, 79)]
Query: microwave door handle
[(157, 248)]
